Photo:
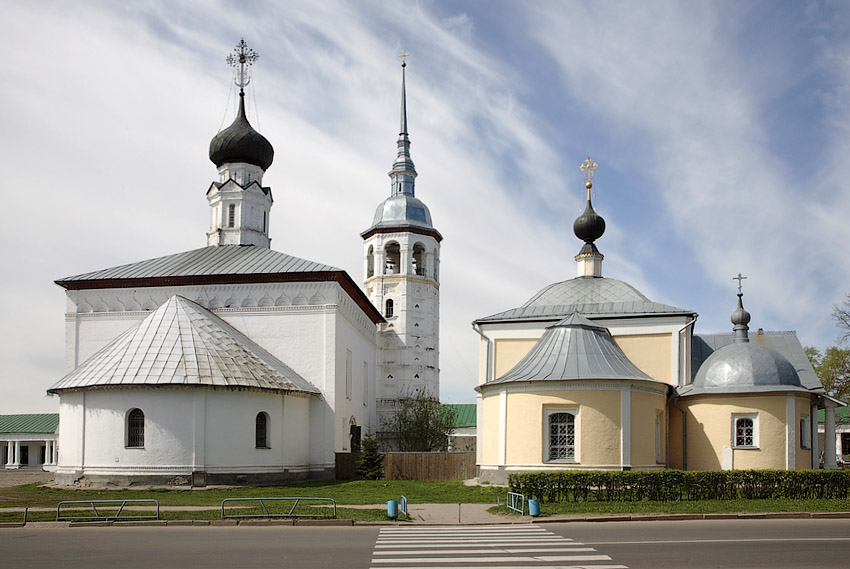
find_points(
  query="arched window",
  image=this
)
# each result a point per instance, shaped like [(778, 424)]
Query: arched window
[(745, 430), (562, 436), (136, 428), (261, 432), (419, 259), (392, 265), (388, 313), (370, 263)]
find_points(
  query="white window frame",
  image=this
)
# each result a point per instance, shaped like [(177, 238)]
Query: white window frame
[(549, 411), (754, 417), (806, 432)]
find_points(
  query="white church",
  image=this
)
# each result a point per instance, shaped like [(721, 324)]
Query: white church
[(238, 363)]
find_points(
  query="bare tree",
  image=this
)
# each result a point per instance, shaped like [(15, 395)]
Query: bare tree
[(841, 314)]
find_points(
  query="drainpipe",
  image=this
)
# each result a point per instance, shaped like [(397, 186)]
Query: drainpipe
[(487, 355), (675, 397)]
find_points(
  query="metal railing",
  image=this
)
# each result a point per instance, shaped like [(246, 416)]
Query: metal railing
[(115, 509), (270, 514), (512, 500)]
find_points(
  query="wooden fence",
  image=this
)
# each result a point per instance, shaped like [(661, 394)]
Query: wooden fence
[(427, 466)]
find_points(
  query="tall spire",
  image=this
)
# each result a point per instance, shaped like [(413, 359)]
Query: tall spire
[(403, 174)]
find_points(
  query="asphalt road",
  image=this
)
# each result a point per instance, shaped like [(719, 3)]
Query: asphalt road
[(699, 544)]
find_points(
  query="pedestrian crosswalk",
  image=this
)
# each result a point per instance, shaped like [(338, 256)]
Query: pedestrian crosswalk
[(493, 547)]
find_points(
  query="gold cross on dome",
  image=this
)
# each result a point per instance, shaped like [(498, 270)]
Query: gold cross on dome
[(740, 278), (403, 55), (587, 168)]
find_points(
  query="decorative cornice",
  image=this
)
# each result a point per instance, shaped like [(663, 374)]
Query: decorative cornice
[(403, 229)]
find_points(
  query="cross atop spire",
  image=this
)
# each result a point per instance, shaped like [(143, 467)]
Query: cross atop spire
[(403, 55), (242, 57), (740, 278)]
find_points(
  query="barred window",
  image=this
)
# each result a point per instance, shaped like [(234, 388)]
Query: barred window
[(562, 436), (388, 313), (231, 215), (745, 431), (136, 428), (261, 433)]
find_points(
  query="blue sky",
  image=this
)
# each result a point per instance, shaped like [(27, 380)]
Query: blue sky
[(721, 129)]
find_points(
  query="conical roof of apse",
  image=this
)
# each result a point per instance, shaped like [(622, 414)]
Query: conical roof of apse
[(182, 344), (241, 143), (574, 349)]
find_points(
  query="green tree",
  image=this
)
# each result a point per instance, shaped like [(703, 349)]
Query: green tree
[(419, 424), (370, 464), (832, 368)]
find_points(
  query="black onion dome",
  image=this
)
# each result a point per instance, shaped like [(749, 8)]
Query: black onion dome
[(241, 143), (589, 226)]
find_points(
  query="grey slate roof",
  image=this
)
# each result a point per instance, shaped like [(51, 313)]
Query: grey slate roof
[(591, 296), (574, 349), (183, 344), (786, 343), (207, 261), (33, 424)]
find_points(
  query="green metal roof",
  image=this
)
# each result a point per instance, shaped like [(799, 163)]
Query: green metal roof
[(41, 423), (842, 415), (465, 414)]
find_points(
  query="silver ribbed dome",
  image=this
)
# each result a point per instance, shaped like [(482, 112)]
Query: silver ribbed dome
[(402, 210), (745, 366)]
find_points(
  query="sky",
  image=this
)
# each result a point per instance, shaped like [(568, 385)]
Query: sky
[(721, 130)]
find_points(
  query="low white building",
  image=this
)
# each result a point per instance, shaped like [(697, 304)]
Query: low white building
[(29, 440)]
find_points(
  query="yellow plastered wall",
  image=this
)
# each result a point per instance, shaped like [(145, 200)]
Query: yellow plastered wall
[(489, 439), (645, 407), (508, 352), (710, 429), (598, 426), (803, 455), (652, 353)]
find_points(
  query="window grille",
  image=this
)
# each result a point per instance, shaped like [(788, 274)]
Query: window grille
[(388, 313), (562, 436), (744, 432), (136, 429), (231, 215)]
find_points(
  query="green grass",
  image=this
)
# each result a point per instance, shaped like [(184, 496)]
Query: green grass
[(356, 492), (689, 507)]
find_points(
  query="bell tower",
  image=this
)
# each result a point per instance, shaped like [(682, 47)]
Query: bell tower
[(401, 278)]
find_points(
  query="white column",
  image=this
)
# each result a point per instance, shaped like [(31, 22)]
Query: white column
[(829, 435), (790, 432), (17, 456), (626, 426), (503, 426), (813, 423)]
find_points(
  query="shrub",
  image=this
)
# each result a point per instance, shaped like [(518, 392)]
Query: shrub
[(674, 485)]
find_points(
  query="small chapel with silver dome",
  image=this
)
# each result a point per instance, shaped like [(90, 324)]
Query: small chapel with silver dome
[(590, 374)]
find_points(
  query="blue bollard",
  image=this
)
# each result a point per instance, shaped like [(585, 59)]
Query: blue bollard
[(534, 507), (392, 509)]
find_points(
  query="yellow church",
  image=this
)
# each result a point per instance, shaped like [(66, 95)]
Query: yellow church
[(590, 374)]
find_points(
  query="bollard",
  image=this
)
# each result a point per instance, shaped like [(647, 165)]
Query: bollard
[(458, 513), (534, 507), (392, 509)]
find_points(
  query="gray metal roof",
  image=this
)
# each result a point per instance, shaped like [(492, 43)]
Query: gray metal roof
[(207, 261), (183, 344), (591, 296), (786, 343), (745, 367), (402, 210), (574, 349)]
